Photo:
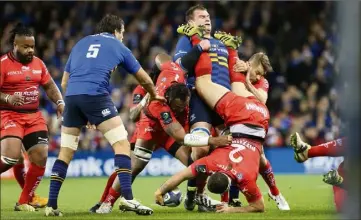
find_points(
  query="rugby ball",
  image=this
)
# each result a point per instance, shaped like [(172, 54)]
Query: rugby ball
[(173, 198)]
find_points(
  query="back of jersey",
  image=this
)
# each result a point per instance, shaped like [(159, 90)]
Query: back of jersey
[(91, 62)]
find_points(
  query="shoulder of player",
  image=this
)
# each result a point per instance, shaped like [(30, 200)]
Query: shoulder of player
[(3, 58)]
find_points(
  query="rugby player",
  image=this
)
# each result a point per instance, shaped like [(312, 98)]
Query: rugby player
[(22, 124), (335, 148), (140, 100), (202, 118), (85, 82), (257, 87), (163, 124), (237, 163)]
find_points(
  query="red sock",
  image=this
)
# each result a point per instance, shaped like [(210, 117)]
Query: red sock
[(195, 40), (201, 184), (331, 149), (268, 176), (339, 196), (32, 180), (19, 173), (112, 196), (108, 186), (225, 197)]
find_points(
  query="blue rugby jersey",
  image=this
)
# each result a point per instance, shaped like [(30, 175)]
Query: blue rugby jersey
[(91, 62), (219, 57)]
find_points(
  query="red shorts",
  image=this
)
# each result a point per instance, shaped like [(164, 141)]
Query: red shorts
[(233, 110), (133, 139), (149, 130), (14, 124)]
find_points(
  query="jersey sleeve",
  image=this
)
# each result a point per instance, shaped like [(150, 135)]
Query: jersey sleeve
[(262, 84), (182, 48), (45, 75), (128, 61), (250, 190), (199, 167), (163, 113), (138, 95)]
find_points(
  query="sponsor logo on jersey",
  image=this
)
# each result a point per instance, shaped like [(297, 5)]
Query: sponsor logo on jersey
[(254, 107), (30, 94), (239, 176), (11, 73), (25, 68), (149, 129), (106, 112), (37, 72), (27, 78), (193, 117), (137, 98)]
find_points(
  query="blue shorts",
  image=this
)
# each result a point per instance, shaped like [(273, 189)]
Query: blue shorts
[(201, 112), (79, 109)]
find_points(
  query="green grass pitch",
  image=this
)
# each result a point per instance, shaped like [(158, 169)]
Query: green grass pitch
[(308, 196)]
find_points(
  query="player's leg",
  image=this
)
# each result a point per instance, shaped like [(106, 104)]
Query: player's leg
[(19, 171), (140, 158), (303, 151), (266, 171), (73, 120), (112, 178), (36, 144), (106, 118)]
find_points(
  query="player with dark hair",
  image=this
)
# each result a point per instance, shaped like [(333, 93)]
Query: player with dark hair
[(335, 148), (202, 118), (257, 87), (22, 124), (163, 125), (85, 82), (237, 163)]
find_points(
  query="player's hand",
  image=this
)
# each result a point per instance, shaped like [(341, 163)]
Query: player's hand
[(16, 100), (90, 126), (159, 197), (223, 140), (248, 83), (205, 44), (157, 98), (224, 208), (241, 66), (60, 110)]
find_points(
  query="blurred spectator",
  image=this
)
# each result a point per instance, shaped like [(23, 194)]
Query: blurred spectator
[(299, 37)]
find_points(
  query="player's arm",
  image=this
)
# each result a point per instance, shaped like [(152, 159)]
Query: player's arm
[(146, 82), (172, 183), (64, 82), (50, 88), (260, 94), (134, 112)]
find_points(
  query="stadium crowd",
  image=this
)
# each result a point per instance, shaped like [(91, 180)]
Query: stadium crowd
[(302, 50)]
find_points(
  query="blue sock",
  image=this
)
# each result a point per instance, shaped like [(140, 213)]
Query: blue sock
[(123, 168), (192, 183), (58, 174), (233, 192)]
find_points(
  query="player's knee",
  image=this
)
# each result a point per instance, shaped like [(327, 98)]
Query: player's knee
[(38, 155), (116, 134), (66, 154), (218, 183)]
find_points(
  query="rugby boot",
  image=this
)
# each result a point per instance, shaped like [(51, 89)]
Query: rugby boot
[(229, 40), (300, 148)]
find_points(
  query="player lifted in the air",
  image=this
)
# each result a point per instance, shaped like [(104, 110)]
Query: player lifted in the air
[(22, 124), (202, 118), (87, 100), (336, 148), (164, 125), (237, 163), (257, 87)]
